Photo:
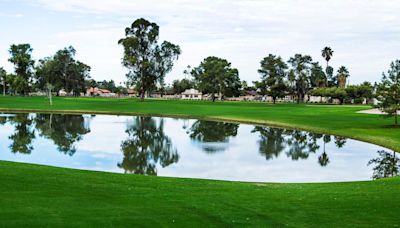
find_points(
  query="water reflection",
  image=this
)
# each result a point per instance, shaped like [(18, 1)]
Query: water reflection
[(23, 135), (146, 146), (189, 148), (63, 130), (212, 136), (323, 159), (296, 144), (272, 142), (386, 165)]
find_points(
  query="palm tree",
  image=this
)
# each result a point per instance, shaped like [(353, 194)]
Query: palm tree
[(323, 159), (342, 75), (327, 53)]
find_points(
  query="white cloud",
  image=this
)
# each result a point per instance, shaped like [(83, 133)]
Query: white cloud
[(363, 33)]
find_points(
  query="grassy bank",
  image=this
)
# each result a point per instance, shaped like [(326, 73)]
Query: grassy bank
[(329, 119), (32, 195)]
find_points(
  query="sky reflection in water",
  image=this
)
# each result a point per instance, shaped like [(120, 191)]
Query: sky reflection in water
[(188, 148)]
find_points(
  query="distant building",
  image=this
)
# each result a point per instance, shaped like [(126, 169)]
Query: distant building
[(132, 93), (62, 93), (99, 92), (192, 94)]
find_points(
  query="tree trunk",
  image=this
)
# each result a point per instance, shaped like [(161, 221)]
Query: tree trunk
[(50, 98), (395, 118), (274, 99), (213, 97), (4, 87), (142, 92)]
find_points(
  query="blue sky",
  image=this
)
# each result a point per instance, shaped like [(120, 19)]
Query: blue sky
[(364, 34)]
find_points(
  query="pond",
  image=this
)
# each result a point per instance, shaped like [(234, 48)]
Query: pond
[(188, 148)]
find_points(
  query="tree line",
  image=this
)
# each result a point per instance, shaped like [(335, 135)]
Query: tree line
[(148, 61), (60, 71)]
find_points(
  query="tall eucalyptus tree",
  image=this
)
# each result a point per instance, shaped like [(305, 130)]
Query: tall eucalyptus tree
[(147, 61)]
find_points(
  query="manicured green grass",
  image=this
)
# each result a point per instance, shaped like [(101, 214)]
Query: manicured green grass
[(32, 195)]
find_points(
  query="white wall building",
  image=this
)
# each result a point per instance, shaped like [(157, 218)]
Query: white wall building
[(191, 94)]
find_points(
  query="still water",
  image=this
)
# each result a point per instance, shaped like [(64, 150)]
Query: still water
[(186, 148)]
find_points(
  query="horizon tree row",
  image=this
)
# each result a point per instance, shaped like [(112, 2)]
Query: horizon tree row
[(60, 71), (148, 62)]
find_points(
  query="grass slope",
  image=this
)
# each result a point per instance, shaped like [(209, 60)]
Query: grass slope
[(329, 119), (32, 195)]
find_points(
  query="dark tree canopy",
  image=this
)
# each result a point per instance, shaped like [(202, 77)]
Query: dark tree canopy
[(179, 86), (388, 91), (327, 53), (318, 77), (300, 74), (216, 76), (342, 75), (62, 71), (147, 61), (3, 79), (273, 73), (21, 57)]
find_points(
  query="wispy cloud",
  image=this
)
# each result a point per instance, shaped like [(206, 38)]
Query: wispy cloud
[(363, 33)]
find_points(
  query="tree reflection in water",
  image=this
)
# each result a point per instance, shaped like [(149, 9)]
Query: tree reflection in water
[(213, 136), (271, 142), (63, 130), (146, 146), (296, 144), (323, 159), (24, 133), (386, 165)]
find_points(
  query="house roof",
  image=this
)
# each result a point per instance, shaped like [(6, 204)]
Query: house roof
[(192, 91), (96, 90), (251, 93), (104, 90), (131, 91)]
